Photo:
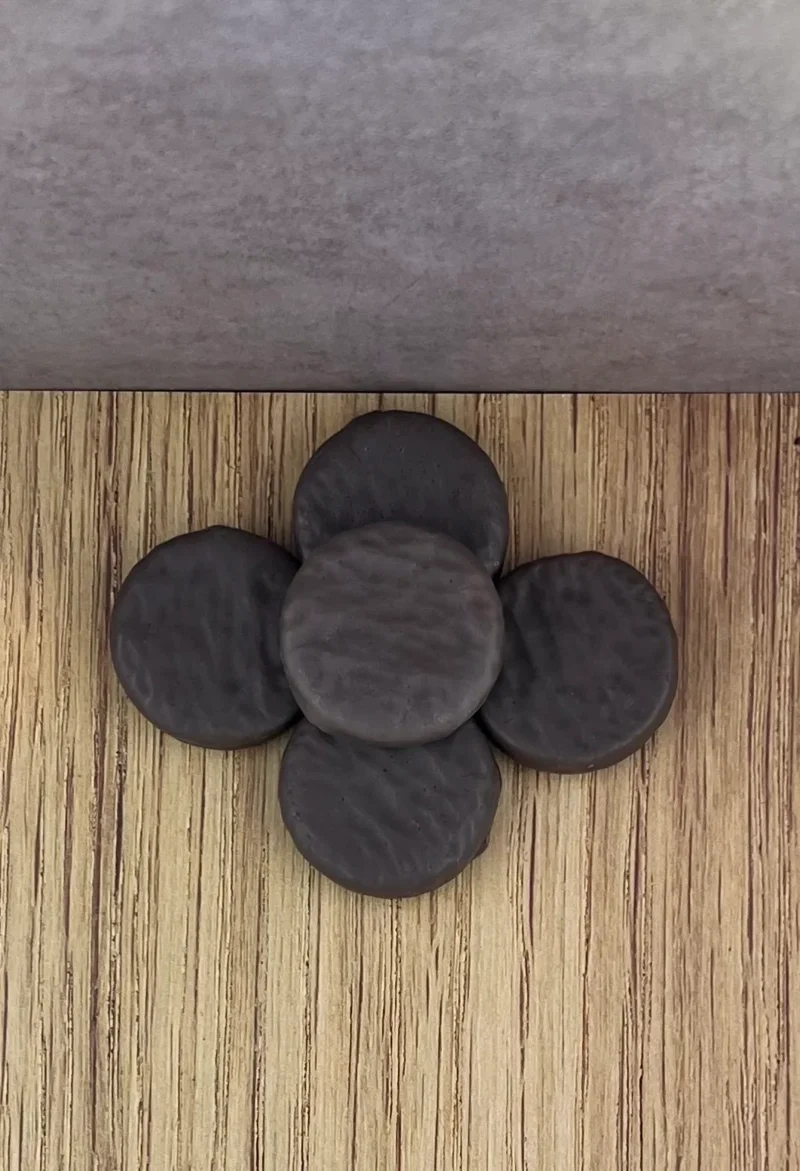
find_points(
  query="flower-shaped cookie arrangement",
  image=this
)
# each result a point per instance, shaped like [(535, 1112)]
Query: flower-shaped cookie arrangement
[(403, 656)]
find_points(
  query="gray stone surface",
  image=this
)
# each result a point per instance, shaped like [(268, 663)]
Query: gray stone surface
[(391, 822), (391, 634), (572, 194)]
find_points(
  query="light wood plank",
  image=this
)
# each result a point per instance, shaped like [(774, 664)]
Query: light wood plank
[(615, 984)]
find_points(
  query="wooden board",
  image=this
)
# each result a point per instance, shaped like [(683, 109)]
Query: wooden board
[(615, 983)]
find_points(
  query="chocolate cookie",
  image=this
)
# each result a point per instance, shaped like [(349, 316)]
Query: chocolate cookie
[(403, 466), (391, 822), (194, 638), (589, 667), (391, 634)]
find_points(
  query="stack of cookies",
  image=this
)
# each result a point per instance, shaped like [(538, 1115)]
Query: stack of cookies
[(404, 655)]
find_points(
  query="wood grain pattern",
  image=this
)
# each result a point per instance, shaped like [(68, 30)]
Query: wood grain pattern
[(615, 983)]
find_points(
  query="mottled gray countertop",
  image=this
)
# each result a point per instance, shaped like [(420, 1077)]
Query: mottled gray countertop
[(487, 194)]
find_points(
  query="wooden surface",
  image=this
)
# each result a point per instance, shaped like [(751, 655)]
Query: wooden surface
[(615, 984)]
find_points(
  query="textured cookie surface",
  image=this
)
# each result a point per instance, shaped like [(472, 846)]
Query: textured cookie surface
[(403, 466), (391, 634), (391, 822), (589, 665), (194, 637)]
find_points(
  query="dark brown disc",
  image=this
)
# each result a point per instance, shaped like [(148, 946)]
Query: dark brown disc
[(194, 637), (391, 634), (589, 667), (403, 466), (390, 822)]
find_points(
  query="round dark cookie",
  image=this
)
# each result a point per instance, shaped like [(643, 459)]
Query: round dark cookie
[(391, 634), (589, 667), (403, 466), (194, 637), (390, 822)]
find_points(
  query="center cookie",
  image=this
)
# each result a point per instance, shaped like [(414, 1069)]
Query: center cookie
[(391, 634)]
